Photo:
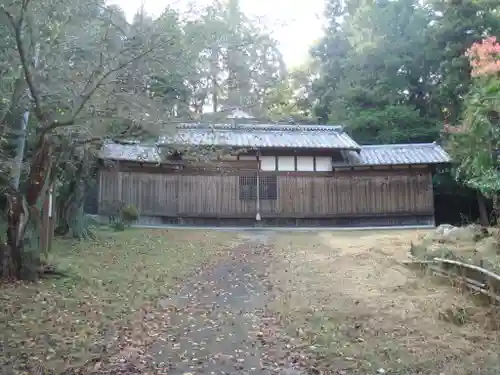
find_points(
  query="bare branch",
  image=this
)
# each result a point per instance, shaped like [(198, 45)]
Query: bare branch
[(17, 27), (90, 90)]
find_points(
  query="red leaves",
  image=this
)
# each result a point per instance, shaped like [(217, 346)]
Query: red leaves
[(452, 129), (484, 57)]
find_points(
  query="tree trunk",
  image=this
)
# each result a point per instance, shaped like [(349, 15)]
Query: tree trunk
[(21, 253), (483, 212), (71, 215)]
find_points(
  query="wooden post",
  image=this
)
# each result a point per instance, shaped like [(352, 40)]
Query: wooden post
[(119, 182), (44, 226), (257, 217), (51, 214)]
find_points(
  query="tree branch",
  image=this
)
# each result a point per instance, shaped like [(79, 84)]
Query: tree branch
[(17, 27), (91, 87)]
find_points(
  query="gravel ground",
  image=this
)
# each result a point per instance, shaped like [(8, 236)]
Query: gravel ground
[(218, 319)]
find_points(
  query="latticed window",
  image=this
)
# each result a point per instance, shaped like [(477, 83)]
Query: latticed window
[(268, 188)]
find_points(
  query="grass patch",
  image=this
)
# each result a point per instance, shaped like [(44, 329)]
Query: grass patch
[(353, 308), (100, 307)]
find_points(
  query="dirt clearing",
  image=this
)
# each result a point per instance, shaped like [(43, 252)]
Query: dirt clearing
[(350, 306)]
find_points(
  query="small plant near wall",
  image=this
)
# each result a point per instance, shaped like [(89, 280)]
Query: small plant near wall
[(129, 214), (121, 214)]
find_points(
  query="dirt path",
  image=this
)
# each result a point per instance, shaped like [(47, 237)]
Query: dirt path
[(217, 317)]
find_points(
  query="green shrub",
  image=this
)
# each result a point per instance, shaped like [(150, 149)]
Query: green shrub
[(129, 214), (118, 226)]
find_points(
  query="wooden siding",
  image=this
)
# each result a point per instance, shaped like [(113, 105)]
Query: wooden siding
[(364, 193)]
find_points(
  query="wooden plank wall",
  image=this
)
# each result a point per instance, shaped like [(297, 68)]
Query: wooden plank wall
[(376, 192)]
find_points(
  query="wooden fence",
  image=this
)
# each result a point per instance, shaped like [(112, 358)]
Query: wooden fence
[(219, 195)]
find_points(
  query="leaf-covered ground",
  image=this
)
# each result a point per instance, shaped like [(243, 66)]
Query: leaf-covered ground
[(196, 302), (98, 312), (349, 307)]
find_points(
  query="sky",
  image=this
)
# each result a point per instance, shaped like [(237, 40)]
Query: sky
[(296, 25)]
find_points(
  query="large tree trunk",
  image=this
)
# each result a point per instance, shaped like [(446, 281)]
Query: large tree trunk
[(21, 255), (71, 215)]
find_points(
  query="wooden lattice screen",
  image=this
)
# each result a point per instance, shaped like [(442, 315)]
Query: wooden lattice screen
[(268, 188)]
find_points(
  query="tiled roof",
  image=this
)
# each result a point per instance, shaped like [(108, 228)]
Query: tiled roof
[(262, 136), (399, 154)]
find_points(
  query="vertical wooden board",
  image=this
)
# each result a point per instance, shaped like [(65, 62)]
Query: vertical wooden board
[(180, 194), (172, 196), (319, 198), (302, 194), (367, 207), (295, 202), (422, 195), (157, 183), (412, 194), (372, 193), (360, 196), (310, 194), (143, 182), (429, 192), (162, 194), (399, 193), (297, 195), (342, 186), (421, 192), (388, 195), (339, 188), (226, 203), (381, 181), (136, 190), (375, 193), (100, 191), (351, 195), (211, 203), (283, 194), (332, 195), (193, 202), (126, 188), (402, 193), (409, 190)]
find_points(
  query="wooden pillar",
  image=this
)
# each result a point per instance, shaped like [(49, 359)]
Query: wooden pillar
[(257, 216), (44, 226), (52, 217), (119, 182)]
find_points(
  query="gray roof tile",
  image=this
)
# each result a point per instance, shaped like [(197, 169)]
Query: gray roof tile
[(262, 136), (416, 153)]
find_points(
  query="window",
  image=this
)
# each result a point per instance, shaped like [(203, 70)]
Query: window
[(268, 188)]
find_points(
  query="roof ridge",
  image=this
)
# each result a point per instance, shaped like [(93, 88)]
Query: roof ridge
[(263, 127), (401, 145)]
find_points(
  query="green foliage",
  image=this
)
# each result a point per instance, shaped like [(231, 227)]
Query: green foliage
[(118, 226), (474, 144), (394, 71), (129, 214)]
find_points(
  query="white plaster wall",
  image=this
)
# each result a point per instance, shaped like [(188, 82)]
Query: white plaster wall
[(268, 163), (323, 163), (286, 163), (305, 163)]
